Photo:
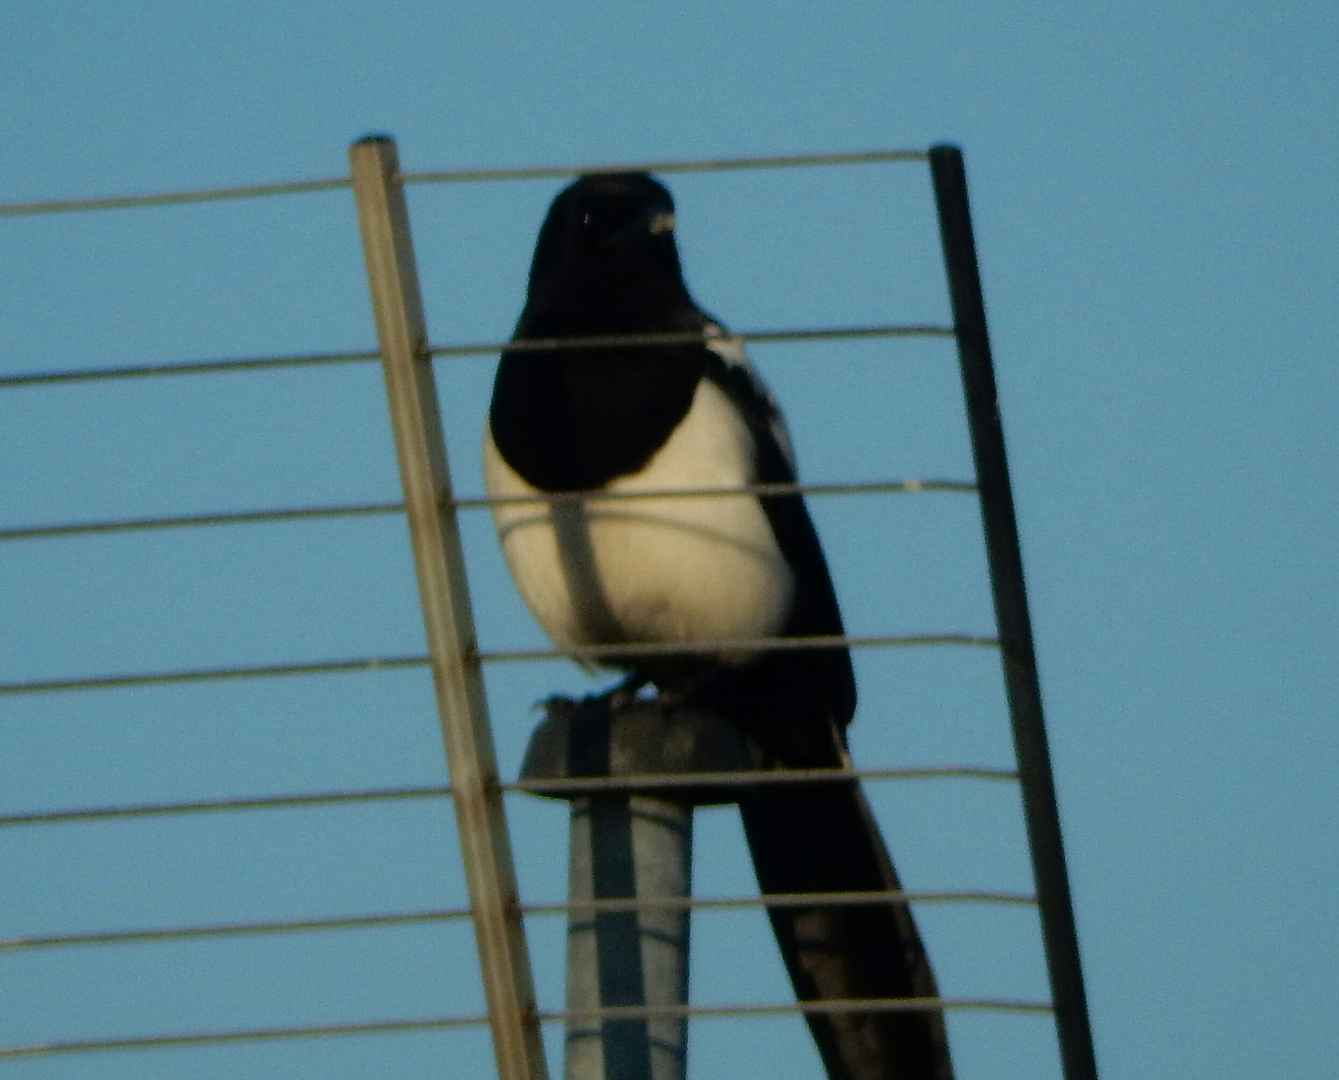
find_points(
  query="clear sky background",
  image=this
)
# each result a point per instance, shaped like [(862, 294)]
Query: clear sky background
[(1154, 191)]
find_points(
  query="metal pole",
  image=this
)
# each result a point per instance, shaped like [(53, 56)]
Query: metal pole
[(622, 847), (1011, 615), (453, 653), (627, 845)]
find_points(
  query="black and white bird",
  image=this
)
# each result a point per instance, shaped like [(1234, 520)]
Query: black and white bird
[(701, 569)]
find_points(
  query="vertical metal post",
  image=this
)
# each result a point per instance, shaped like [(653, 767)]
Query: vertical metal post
[(439, 562), (628, 847), (1011, 615)]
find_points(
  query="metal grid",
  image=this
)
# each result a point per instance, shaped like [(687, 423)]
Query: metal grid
[(1015, 638)]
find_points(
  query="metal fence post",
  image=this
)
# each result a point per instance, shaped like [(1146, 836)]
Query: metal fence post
[(628, 847), (1022, 685), (439, 562), (629, 844)]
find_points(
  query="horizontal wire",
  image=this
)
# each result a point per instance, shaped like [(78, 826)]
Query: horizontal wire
[(526, 787), (579, 907), (749, 778), (772, 644), (200, 806), (611, 1012), (107, 682), (188, 367), (780, 900), (301, 513), (479, 348), (204, 1038), (237, 517), (280, 926), (541, 172), (845, 1005), (593, 652), (170, 198), (851, 487), (774, 161), (692, 337)]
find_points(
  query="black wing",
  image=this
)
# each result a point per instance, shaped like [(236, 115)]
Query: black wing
[(795, 703), (822, 837)]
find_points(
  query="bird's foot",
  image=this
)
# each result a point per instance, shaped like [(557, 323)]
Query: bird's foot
[(625, 693)]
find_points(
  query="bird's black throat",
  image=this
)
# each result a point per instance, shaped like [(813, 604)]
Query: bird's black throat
[(575, 420), (605, 264)]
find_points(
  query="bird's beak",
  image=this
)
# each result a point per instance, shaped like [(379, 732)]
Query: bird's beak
[(661, 222)]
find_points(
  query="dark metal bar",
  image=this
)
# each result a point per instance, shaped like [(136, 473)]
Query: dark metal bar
[(1011, 613)]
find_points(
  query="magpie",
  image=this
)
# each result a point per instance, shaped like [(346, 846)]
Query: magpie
[(678, 405)]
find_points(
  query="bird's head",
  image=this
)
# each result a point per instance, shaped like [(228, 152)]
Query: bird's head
[(607, 236)]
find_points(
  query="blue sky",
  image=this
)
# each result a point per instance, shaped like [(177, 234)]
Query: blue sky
[(1153, 192)]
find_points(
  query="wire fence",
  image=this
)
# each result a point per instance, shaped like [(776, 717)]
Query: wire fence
[(589, 907), (612, 1012), (484, 348), (574, 785), (448, 176), (290, 801)]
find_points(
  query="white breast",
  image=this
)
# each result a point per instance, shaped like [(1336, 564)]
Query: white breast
[(681, 569)]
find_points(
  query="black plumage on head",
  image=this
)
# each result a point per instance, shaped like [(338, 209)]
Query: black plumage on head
[(606, 260)]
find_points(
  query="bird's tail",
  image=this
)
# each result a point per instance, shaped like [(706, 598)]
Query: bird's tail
[(822, 838)]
